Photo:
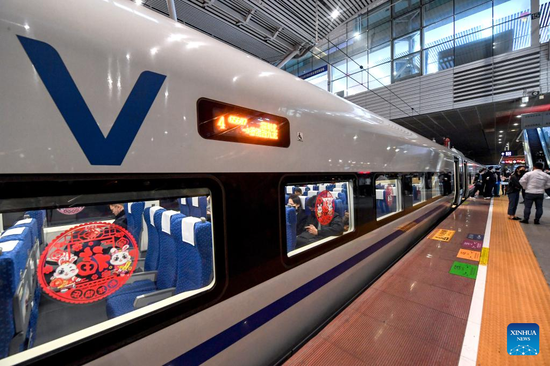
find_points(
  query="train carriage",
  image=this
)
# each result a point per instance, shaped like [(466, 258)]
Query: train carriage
[(145, 177)]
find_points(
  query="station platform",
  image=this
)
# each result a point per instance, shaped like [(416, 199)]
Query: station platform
[(449, 301)]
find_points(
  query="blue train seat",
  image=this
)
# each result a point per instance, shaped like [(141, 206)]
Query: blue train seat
[(203, 240), (286, 198), (152, 257), (339, 208), (122, 301), (18, 257), (198, 207), (290, 229), (31, 224), (193, 240), (184, 206), (343, 197), (40, 217), (134, 214)]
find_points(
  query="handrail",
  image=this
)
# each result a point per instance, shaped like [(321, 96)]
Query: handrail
[(545, 148), (527, 150)]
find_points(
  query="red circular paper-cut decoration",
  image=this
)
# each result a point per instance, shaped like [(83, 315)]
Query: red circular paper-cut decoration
[(70, 210), (87, 262), (389, 195), (324, 208)]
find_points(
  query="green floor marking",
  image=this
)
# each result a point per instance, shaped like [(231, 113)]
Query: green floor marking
[(464, 270)]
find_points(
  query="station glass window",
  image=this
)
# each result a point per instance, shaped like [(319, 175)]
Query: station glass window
[(317, 212), (87, 259), (439, 58), (388, 196), (418, 189)]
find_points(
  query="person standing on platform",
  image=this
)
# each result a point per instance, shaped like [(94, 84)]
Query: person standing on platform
[(496, 189), (514, 188), (489, 180), (478, 183), (505, 179), (535, 183)]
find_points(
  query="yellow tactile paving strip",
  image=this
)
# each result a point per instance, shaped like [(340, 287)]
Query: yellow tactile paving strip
[(515, 292)]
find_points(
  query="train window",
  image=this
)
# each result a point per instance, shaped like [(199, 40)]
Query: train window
[(64, 268), (388, 196), (418, 189), (317, 212)]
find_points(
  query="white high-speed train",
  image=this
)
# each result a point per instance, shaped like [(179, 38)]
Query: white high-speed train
[(106, 105)]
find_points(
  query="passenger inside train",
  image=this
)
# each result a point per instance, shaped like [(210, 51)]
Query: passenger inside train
[(322, 214), (69, 268)]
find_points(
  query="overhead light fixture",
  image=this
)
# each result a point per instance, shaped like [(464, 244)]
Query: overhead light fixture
[(501, 131), (523, 105), (518, 116), (516, 124), (525, 99), (335, 14)]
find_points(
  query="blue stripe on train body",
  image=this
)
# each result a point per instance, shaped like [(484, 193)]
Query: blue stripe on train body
[(99, 150), (226, 338)]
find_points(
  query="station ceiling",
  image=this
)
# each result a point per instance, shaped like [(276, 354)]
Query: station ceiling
[(268, 29), (476, 131)]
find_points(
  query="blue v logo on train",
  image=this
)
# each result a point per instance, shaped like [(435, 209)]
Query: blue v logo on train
[(99, 150)]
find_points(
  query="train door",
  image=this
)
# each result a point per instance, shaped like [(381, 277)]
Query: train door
[(465, 181), (457, 182)]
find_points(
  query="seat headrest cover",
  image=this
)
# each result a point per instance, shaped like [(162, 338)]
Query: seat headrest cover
[(8, 246), (152, 214), (165, 223), (21, 222), (188, 229), (14, 231), (183, 201), (130, 207), (195, 201)]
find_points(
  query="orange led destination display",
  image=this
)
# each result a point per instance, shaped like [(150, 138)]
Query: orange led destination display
[(225, 122)]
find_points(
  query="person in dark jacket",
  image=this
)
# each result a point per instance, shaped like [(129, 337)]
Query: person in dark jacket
[(478, 182), (489, 180), (301, 217), (513, 191), (314, 231), (496, 189), (120, 215)]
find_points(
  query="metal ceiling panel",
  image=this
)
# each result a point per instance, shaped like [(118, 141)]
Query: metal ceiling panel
[(268, 29)]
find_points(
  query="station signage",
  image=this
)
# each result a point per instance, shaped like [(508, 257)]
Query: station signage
[(507, 153), (315, 72), (535, 120), (513, 160)]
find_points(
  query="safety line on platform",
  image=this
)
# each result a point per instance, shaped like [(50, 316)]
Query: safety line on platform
[(468, 354)]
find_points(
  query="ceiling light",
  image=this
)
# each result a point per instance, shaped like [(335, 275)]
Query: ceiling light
[(335, 14), (513, 130), (518, 116), (516, 124), (501, 131), (523, 105), (524, 99)]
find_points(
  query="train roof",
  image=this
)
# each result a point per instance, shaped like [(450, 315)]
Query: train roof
[(107, 52)]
